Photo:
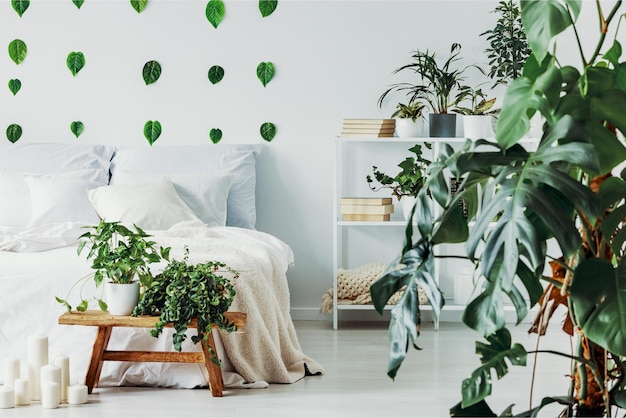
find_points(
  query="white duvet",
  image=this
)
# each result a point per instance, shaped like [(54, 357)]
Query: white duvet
[(41, 265)]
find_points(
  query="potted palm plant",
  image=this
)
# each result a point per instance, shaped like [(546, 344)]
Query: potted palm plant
[(571, 189), (409, 119)]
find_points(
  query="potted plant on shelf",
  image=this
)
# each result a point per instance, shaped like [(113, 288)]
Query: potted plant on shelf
[(120, 259), (477, 118), (409, 119), (407, 183), (438, 86), (571, 190)]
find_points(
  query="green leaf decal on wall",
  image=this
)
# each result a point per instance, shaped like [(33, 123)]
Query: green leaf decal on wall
[(265, 72), (267, 7), (78, 3), (215, 11), (17, 51), (20, 6), (77, 128), (151, 72), (75, 62), (152, 131), (139, 5), (216, 73), (268, 131), (15, 85), (14, 132), (215, 135)]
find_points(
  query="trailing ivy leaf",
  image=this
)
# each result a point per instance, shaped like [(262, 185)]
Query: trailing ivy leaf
[(216, 73), (78, 3), (267, 7), (151, 72), (75, 62), (17, 51), (20, 6), (14, 132), (152, 131), (215, 11), (215, 135), (265, 72), (15, 85), (268, 131), (139, 5), (77, 128)]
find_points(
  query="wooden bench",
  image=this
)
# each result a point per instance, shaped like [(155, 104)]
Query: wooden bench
[(106, 322)]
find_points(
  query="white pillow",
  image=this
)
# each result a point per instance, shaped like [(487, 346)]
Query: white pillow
[(206, 194), (57, 199), (150, 206)]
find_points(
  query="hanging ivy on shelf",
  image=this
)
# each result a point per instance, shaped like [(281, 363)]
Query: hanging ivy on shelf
[(215, 11), (77, 128), (151, 72), (152, 131), (15, 85), (14, 132), (265, 72), (267, 7), (17, 51), (215, 135), (268, 131), (216, 73), (20, 6), (139, 5), (75, 62), (78, 3)]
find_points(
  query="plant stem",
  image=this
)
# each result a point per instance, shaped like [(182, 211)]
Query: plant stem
[(580, 47), (604, 23)]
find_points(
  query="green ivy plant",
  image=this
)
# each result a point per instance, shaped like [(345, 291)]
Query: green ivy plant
[(215, 11), (15, 85), (75, 62), (267, 7), (152, 131), (17, 51), (77, 128), (267, 131), (20, 6), (139, 5), (151, 72), (185, 291), (14, 133), (265, 72), (78, 3), (216, 74), (215, 135)]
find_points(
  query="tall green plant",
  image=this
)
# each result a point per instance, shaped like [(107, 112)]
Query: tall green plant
[(568, 190)]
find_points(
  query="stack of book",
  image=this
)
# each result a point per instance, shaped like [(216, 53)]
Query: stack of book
[(366, 208), (368, 128)]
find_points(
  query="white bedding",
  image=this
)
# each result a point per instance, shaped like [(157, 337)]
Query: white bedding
[(268, 350)]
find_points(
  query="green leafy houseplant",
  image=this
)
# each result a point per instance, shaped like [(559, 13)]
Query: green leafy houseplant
[(568, 190), (185, 291), (479, 103), (411, 110)]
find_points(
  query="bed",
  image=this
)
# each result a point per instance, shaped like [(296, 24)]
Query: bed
[(199, 196)]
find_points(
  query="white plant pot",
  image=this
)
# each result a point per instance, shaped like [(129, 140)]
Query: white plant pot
[(407, 203), (406, 128), (477, 126), (121, 299)]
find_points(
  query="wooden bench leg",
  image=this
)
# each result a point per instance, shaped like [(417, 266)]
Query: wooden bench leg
[(95, 366), (216, 382)]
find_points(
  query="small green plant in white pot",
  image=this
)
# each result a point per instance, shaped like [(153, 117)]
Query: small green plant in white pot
[(478, 117), (409, 119)]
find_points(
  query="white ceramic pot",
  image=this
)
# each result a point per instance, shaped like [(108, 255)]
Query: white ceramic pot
[(477, 126), (406, 128), (121, 299), (407, 203)]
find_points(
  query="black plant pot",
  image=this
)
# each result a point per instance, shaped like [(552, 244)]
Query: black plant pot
[(442, 125)]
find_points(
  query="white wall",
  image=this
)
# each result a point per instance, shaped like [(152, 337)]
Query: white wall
[(333, 59)]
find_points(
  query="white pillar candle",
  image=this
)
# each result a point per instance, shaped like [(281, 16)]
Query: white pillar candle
[(11, 371), (51, 373), (37, 352), (22, 391), (50, 397), (64, 363), (77, 394), (7, 397)]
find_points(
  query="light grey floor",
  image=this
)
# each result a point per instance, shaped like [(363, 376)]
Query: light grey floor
[(355, 383)]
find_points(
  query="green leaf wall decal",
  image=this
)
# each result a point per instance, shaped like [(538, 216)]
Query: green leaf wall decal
[(151, 72), (152, 131), (215, 11), (265, 72), (15, 85), (139, 5), (20, 6), (78, 3), (77, 128), (215, 135), (268, 131), (216, 73), (267, 7), (75, 62), (14, 132), (17, 51)]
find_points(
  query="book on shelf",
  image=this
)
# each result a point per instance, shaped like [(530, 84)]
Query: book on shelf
[(366, 201), (356, 130), (370, 122), (366, 217), (366, 135), (367, 209)]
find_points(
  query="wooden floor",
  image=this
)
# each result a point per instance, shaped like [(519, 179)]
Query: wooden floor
[(355, 383)]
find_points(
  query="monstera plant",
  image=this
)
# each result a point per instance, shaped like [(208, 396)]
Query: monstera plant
[(569, 190)]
